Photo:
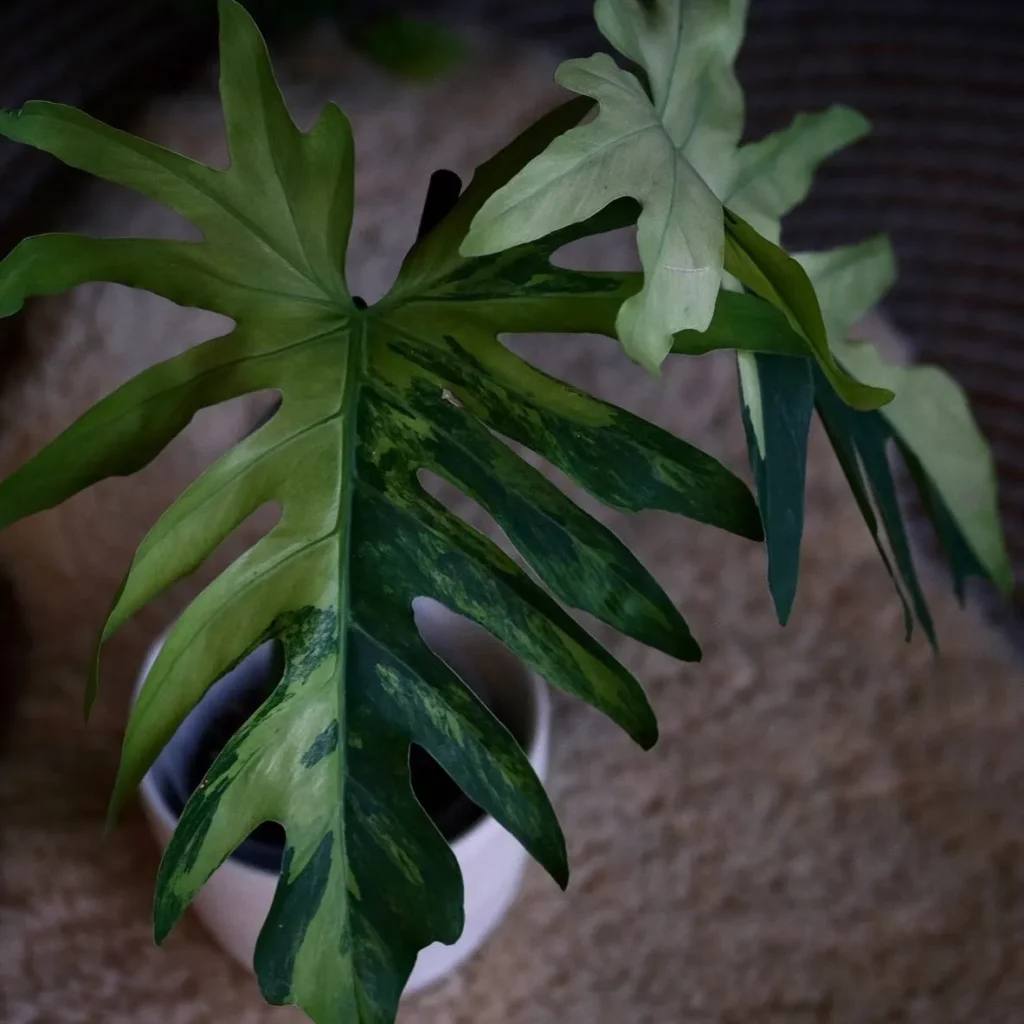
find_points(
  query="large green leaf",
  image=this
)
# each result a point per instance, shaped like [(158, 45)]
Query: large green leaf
[(370, 397), (670, 149)]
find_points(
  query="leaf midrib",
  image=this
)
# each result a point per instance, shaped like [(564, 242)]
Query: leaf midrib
[(654, 124), (355, 372), (300, 237), (252, 227), (190, 383)]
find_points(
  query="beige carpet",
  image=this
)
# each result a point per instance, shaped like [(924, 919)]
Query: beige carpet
[(831, 828)]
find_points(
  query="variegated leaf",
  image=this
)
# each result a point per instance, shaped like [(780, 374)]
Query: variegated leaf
[(669, 148)]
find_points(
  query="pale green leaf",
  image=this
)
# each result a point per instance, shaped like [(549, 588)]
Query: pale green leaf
[(774, 175), (687, 51), (933, 421), (669, 150), (850, 281)]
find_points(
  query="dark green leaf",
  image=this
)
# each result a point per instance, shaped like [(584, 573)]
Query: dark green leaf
[(861, 441), (787, 390), (932, 419)]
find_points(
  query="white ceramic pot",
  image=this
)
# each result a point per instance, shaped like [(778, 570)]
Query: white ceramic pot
[(234, 902)]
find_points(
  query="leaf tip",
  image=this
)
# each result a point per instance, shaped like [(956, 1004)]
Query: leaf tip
[(163, 919), (752, 525), (857, 123), (1003, 577), (928, 625), (113, 813), (744, 519), (783, 602), (562, 877), (645, 731), (687, 649), (653, 367), (556, 861), (675, 638), (118, 798), (637, 345), (233, 16), (226, 8)]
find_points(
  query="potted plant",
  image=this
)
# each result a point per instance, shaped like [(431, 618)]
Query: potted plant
[(372, 396), (236, 900)]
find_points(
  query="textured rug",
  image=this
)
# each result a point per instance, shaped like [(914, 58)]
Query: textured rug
[(831, 828)]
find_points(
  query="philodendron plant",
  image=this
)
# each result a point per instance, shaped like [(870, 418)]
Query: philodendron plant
[(420, 381)]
